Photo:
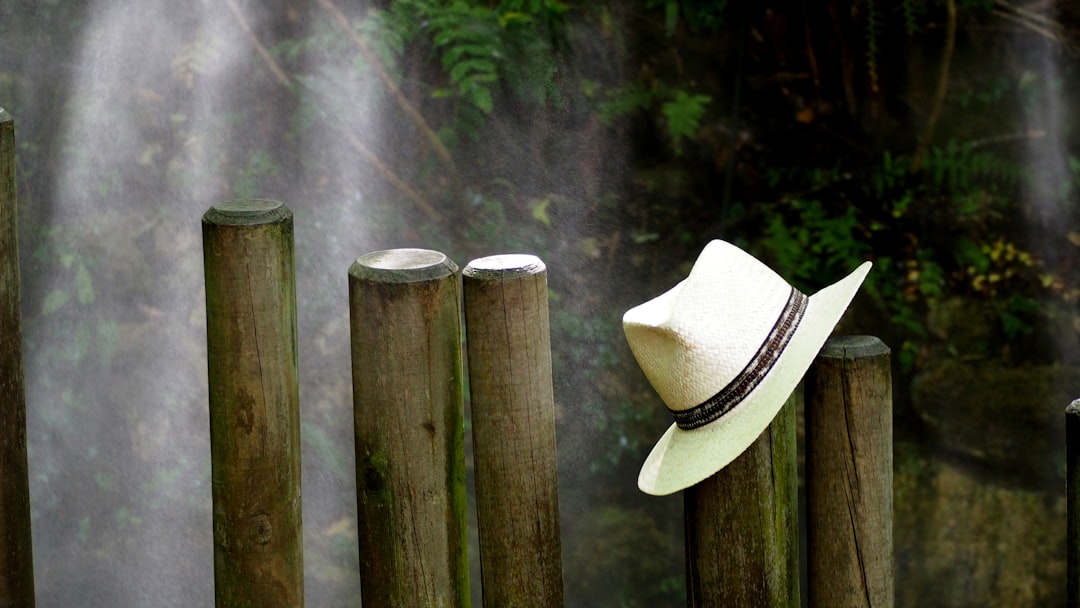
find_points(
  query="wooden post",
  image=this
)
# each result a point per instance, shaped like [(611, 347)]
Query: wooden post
[(1072, 501), (408, 407), (254, 404), (742, 528), (849, 475), (16, 559), (513, 421)]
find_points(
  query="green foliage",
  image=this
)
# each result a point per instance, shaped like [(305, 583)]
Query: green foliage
[(817, 240), (957, 167), (912, 11), (873, 33), (699, 15), (683, 114), (626, 100), (1017, 315), (468, 37), (482, 47), (682, 111)]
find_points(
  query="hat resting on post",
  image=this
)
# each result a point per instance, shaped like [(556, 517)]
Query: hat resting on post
[(724, 349)]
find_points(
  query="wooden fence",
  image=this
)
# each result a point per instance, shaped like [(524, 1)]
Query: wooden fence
[(407, 311)]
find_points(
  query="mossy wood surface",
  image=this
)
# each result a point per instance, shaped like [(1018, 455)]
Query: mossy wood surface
[(742, 529), (849, 463), (405, 321), (1072, 495), (513, 422), (254, 404), (16, 560)]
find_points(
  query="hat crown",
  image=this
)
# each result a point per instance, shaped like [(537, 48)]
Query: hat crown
[(696, 338)]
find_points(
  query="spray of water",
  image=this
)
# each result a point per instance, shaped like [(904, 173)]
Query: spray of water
[(1050, 189), (174, 107)]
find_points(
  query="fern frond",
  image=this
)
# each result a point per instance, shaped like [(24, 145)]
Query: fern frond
[(873, 30)]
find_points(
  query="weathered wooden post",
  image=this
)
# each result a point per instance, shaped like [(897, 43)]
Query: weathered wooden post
[(254, 404), (513, 421), (849, 475), (1072, 501), (405, 320), (16, 559), (742, 526)]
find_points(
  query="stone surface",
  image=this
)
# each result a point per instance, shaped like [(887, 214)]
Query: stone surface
[(962, 540), (1009, 419)]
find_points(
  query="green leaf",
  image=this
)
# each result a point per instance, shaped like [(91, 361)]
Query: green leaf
[(54, 301), (514, 19), (479, 67), (684, 116), (540, 211), (84, 285), (481, 98), (457, 53), (671, 17)]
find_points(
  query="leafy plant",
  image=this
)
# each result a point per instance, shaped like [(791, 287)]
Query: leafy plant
[(699, 15), (482, 47), (683, 114), (682, 111)]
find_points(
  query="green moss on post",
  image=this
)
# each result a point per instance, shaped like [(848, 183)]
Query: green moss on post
[(513, 421), (849, 476), (254, 404), (16, 559), (408, 406), (742, 529)]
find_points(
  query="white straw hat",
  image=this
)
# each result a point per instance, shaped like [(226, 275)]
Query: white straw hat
[(724, 349)]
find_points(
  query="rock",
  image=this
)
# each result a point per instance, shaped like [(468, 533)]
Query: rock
[(964, 541), (1007, 419), (963, 325)]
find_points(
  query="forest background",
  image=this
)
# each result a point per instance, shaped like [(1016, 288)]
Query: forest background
[(612, 139)]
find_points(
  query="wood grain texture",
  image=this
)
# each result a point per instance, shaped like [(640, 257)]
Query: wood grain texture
[(513, 421), (408, 408), (849, 475), (1072, 497), (16, 559), (254, 404), (742, 528)]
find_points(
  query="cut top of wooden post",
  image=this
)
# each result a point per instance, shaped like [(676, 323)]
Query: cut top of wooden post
[(5, 117), (1073, 408), (502, 267), (403, 266), (246, 212), (854, 347)]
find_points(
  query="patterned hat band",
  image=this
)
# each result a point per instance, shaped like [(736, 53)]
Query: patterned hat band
[(754, 372)]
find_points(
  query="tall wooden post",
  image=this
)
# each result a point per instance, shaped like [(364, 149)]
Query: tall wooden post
[(1072, 502), (513, 421), (254, 404), (742, 526), (849, 475), (16, 559), (405, 320)]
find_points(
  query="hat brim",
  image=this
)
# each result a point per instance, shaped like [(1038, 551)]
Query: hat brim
[(683, 458)]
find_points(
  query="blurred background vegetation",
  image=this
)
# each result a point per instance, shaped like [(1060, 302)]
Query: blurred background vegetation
[(612, 139)]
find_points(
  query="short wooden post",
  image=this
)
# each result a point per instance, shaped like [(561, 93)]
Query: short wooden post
[(408, 407), (254, 404), (16, 559), (1072, 501), (513, 420), (849, 475), (742, 526)]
